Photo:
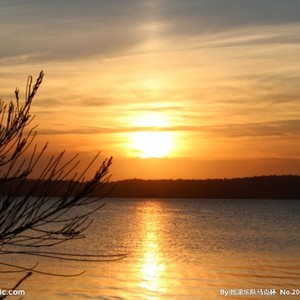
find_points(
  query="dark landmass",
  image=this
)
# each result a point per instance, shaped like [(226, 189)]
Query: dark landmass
[(262, 187)]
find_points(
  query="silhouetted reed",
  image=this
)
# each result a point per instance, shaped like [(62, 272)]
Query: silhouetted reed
[(34, 221)]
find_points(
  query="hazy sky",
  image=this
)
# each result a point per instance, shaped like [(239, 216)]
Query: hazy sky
[(212, 85)]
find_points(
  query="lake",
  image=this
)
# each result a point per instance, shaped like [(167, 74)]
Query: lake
[(180, 249)]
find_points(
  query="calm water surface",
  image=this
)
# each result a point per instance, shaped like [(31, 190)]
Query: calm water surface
[(180, 249)]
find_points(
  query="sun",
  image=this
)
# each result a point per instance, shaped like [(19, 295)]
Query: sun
[(151, 139), (152, 143)]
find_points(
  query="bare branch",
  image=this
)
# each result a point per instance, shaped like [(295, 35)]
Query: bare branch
[(47, 211)]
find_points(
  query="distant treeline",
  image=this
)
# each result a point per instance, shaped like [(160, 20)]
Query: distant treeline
[(262, 187)]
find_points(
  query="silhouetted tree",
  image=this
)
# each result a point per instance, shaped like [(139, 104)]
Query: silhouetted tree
[(30, 225)]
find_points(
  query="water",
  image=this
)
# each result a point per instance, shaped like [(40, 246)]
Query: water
[(180, 249)]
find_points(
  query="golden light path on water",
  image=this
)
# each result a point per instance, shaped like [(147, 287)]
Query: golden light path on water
[(153, 267)]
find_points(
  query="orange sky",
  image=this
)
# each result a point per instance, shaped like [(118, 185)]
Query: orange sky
[(209, 89)]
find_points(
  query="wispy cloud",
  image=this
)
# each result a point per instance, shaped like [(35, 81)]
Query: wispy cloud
[(66, 30), (208, 16)]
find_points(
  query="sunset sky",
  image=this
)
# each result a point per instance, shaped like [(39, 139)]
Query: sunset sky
[(171, 89)]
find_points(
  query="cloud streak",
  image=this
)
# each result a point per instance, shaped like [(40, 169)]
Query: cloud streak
[(66, 30), (208, 16), (275, 128)]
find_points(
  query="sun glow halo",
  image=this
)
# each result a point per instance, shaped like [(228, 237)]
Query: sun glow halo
[(151, 142)]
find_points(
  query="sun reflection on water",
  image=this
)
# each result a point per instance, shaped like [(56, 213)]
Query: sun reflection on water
[(152, 266), (152, 269)]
